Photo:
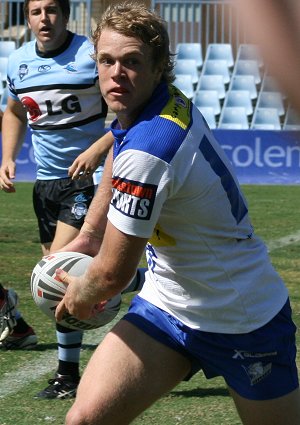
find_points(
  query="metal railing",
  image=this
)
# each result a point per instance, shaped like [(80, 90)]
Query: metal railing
[(205, 21)]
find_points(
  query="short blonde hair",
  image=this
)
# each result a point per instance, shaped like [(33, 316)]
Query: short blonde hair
[(134, 19)]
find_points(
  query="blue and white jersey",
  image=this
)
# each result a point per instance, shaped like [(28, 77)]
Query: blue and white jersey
[(173, 184), (65, 109)]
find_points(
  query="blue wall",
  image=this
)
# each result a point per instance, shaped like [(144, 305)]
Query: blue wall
[(260, 157)]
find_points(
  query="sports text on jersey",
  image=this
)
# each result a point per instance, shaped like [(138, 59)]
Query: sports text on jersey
[(133, 199)]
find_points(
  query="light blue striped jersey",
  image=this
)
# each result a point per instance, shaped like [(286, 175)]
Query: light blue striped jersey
[(65, 109)]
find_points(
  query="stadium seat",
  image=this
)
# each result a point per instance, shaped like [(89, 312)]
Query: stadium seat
[(269, 84), (3, 68), (244, 82), (3, 99), (220, 51), (209, 116), (291, 120), (7, 47), (234, 118), (247, 67), (239, 98), (217, 67), (203, 98), (190, 51), (184, 83), (1, 86), (271, 100), (265, 119), (249, 52), (212, 82), (187, 66)]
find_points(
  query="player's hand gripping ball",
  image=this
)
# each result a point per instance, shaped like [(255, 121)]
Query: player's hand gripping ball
[(47, 291)]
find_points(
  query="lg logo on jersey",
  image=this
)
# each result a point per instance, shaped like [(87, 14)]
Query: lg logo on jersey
[(70, 105)]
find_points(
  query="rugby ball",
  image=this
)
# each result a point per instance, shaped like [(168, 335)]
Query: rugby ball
[(47, 291)]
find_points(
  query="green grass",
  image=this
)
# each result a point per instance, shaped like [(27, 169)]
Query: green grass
[(275, 214)]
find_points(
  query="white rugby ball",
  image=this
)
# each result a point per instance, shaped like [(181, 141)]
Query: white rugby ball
[(47, 291)]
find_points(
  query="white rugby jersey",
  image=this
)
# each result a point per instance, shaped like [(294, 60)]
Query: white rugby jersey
[(65, 109), (173, 184)]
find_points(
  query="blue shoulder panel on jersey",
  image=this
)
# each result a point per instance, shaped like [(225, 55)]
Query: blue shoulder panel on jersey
[(162, 128)]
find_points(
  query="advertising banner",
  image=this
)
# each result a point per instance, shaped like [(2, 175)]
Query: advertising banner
[(259, 157)]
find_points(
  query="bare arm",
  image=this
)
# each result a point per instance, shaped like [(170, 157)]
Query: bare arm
[(274, 25), (14, 125), (89, 160), (91, 234), (108, 274)]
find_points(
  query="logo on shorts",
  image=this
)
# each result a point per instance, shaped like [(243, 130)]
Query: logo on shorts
[(133, 199), (81, 198), (79, 210), (257, 372), (240, 354)]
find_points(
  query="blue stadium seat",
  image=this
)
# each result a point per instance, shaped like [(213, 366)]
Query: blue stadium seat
[(212, 82), (1, 86), (265, 119), (291, 120), (239, 98), (187, 66), (249, 52), (271, 100), (3, 67), (203, 98), (247, 67), (244, 82), (221, 51), (184, 83), (190, 51), (3, 99), (269, 84), (217, 67), (7, 47), (209, 116), (233, 118)]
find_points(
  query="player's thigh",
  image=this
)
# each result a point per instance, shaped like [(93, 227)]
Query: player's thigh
[(127, 373), (64, 234), (279, 411)]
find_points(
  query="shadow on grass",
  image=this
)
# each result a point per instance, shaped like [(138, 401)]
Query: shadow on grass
[(201, 392), (53, 346), (45, 347)]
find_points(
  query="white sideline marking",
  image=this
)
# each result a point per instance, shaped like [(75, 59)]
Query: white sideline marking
[(286, 240), (11, 383)]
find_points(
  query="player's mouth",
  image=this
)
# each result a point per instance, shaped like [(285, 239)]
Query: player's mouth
[(45, 30), (118, 90)]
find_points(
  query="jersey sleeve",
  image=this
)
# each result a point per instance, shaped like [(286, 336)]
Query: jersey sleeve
[(138, 198)]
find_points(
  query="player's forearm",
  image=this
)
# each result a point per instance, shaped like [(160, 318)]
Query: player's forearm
[(96, 218), (103, 145)]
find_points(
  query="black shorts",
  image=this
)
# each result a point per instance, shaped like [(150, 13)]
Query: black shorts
[(65, 200)]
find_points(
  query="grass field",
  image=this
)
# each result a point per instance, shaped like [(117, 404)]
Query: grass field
[(275, 214)]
